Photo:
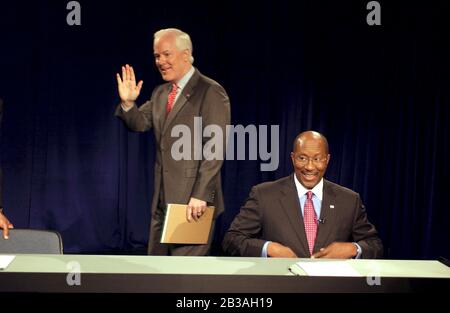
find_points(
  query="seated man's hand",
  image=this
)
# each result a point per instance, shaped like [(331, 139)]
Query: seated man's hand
[(337, 250), (5, 224), (276, 250), (195, 209)]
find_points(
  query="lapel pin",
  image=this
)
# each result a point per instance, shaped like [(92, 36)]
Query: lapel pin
[(331, 206)]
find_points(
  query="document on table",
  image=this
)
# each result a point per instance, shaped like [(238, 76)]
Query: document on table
[(324, 268), (177, 229), (5, 260)]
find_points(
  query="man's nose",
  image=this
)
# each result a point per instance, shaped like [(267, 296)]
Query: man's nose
[(162, 60), (309, 164)]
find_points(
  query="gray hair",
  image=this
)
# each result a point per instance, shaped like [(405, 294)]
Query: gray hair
[(182, 39)]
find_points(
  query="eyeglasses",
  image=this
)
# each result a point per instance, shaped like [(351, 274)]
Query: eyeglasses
[(303, 160)]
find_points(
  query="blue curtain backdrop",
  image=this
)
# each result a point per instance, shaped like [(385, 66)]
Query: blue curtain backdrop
[(379, 93)]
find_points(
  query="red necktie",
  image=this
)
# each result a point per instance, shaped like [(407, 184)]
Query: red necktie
[(310, 220), (171, 98)]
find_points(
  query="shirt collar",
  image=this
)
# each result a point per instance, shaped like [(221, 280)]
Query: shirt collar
[(184, 80), (317, 190)]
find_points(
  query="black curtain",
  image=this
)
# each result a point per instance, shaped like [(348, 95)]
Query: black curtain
[(379, 93)]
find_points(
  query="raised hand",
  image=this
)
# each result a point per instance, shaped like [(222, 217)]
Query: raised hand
[(128, 90)]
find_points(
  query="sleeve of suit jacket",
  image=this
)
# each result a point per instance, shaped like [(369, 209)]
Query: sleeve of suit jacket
[(365, 234), (137, 119), (215, 111), (242, 238)]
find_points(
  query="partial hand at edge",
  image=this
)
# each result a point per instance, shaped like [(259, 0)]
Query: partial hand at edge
[(5, 224)]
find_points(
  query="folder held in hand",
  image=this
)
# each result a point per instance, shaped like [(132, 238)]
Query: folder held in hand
[(177, 229)]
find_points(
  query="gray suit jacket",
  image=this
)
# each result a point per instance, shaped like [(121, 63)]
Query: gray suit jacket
[(176, 181), (272, 213)]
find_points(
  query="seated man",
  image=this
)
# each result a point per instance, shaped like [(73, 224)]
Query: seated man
[(303, 215)]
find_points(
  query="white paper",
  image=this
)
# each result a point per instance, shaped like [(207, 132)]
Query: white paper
[(5, 260), (328, 268)]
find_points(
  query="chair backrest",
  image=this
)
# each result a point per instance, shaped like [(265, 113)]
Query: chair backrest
[(31, 241)]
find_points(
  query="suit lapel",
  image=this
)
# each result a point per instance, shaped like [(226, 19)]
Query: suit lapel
[(327, 215), (291, 205), (160, 111), (187, 92)]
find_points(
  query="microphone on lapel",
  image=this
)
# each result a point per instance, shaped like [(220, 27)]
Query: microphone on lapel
[(321, 221)]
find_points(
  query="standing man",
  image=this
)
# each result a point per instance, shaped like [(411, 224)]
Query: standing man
[(303, 215), (5, 224), (187, 94)]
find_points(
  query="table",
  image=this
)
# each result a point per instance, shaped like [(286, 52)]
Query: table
[(163, 274)]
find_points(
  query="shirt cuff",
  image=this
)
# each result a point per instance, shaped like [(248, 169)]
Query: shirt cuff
[(124, 108), (358, 251), (264, 249)]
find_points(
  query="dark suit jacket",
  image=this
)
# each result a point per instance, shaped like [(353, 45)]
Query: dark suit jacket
[(272, 213), (176, 181)]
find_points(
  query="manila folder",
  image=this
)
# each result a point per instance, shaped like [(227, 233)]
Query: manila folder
[(178, 230)]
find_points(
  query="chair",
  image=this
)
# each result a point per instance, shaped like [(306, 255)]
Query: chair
[(31, 241)]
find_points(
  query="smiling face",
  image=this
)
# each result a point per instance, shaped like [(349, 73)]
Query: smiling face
[(171, 62), (310, 158)]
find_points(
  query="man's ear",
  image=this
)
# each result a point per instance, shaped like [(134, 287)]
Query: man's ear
[(186, 55), (292, 158)]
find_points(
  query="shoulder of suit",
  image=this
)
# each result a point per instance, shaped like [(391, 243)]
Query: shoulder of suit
[(207, 80), (201, 79), (274, 185), (338, 188)]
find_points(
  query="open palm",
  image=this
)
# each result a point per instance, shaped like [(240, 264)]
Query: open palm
[(128, 89)]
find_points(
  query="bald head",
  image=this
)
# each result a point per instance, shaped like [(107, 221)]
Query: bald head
[(310, 135)]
